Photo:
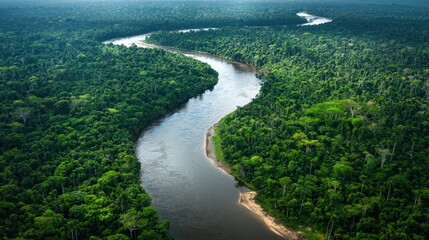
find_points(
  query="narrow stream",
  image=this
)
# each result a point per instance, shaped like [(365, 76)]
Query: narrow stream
[(187, 189)]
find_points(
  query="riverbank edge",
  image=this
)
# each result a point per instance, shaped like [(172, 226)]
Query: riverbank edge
[(247, 199), (210, 150)]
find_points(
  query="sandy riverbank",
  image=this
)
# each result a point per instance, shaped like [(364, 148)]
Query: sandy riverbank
[(247, 199), (210, 151)]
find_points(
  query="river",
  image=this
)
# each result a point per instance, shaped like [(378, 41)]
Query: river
[(312, 19), (187, 189)]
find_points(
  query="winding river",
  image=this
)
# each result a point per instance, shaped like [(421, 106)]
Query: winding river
[(187, 189)]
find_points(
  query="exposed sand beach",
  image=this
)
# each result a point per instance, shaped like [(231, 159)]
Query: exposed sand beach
[(247, 200)]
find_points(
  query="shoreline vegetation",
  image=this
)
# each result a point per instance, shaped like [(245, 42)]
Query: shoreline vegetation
[(247, 199)]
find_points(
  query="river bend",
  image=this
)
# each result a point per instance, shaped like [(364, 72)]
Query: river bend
[(187, 189)]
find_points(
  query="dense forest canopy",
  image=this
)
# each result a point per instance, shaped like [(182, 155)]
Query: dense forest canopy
[(338, 137), (336, 140)]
